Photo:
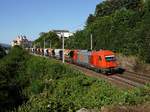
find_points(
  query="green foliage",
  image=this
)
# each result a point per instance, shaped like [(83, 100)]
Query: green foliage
[(147, 5), (39, 84), (2, 52), (11, 67), (48, 37), (119, 25), (91, 18), (63, 89), (37, 87), (110, 6)]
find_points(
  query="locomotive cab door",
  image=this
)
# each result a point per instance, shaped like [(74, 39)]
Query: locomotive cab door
[(99, 61)]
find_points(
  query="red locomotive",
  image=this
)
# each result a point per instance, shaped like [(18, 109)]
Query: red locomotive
[(102, 61)]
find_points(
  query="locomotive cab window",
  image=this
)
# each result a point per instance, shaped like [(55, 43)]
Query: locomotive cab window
[(110, 58)]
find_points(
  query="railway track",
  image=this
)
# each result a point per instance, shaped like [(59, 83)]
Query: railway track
[(137, 78), (140, 74), (126, 80), (115, 80)]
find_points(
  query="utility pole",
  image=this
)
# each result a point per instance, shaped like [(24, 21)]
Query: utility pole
[(63, 58), (50, 44), (44, 46), (91, 41)]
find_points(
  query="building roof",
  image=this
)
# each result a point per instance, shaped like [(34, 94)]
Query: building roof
[(60, 31)]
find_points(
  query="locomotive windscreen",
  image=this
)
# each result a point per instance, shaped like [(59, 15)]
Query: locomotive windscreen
[(110, 58)]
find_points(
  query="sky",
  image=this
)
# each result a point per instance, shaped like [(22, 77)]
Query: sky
[(30, 17)]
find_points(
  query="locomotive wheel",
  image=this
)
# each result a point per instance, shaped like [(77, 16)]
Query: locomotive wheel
[(103, 71)]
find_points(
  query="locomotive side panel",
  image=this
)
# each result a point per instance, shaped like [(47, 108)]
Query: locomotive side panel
[(83, 58)]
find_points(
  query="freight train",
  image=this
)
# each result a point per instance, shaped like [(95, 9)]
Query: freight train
[(103, 61)]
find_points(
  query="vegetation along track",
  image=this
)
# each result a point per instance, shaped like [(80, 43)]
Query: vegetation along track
[(126, 80)]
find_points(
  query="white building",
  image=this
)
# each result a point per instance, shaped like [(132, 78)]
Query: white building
[(65, 33), (21, 41)]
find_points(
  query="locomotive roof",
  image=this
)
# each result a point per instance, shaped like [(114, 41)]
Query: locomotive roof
[(104, 52)]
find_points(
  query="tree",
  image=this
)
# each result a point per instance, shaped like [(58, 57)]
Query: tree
[(110, 6), (12, 79), (2, 52), (49, 36), (90, 19)]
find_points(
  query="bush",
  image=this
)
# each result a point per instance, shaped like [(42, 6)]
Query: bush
[(2, 52), (11, 67), (37, 87), (64, 89)]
